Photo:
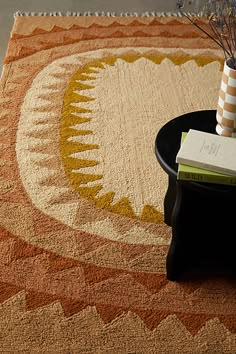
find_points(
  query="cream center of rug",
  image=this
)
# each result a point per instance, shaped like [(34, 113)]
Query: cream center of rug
[(123, 124), (86, 135)]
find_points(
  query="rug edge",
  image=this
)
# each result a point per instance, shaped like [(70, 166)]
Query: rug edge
[(110, 14)]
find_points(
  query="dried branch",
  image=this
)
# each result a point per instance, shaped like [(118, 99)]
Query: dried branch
[(221, 15)]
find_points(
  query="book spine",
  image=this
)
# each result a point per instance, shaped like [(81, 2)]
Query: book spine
[(205, 166), (196, 177)]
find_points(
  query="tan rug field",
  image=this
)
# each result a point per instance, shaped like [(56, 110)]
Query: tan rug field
[(83, 243)]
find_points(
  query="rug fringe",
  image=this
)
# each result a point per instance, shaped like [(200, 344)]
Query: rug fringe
[(111, 14)]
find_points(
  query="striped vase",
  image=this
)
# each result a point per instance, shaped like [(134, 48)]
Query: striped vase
[(226, 108)]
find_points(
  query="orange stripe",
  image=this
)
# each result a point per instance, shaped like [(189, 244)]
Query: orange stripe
[(232, 74), (226, 132), (222, 94), (220, 110), (230, 107), (231, 90), (227, 122), (225, 78)]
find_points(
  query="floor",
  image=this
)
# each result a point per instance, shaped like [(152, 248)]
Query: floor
[(9, 7)]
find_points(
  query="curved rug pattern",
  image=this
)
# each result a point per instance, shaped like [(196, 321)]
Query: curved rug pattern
[(82, 237)]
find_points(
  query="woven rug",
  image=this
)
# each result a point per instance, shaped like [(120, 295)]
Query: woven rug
[(82, 238)]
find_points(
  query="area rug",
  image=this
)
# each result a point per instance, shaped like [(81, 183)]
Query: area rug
[(82, 238)]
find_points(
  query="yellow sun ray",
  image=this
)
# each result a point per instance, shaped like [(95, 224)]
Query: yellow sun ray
[(75, 114)]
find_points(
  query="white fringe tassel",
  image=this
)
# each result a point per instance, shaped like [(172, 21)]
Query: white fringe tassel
[(110, 14)]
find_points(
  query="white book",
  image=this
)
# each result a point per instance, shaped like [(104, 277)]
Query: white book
[(208, 151)]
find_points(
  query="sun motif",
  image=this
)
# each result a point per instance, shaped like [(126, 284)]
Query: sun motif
[(85, 138), (83, 156), (100, 144)]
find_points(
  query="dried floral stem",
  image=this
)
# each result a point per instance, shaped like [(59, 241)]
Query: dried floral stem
[(221, 16), (204, 31)]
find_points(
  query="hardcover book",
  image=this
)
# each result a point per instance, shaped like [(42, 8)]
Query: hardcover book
[(208, 151), (195, 174)]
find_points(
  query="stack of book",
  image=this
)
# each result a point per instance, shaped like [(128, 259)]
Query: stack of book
[(207, 158)]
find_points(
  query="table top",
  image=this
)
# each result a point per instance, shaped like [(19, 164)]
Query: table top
[(168, 139)]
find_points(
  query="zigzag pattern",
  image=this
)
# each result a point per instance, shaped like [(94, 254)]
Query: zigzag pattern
[(118, 331), (41, 39), (39, 31), (150, 289), (64, 290)]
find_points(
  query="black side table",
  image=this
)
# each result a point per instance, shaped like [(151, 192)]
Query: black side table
[(202, 215)]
